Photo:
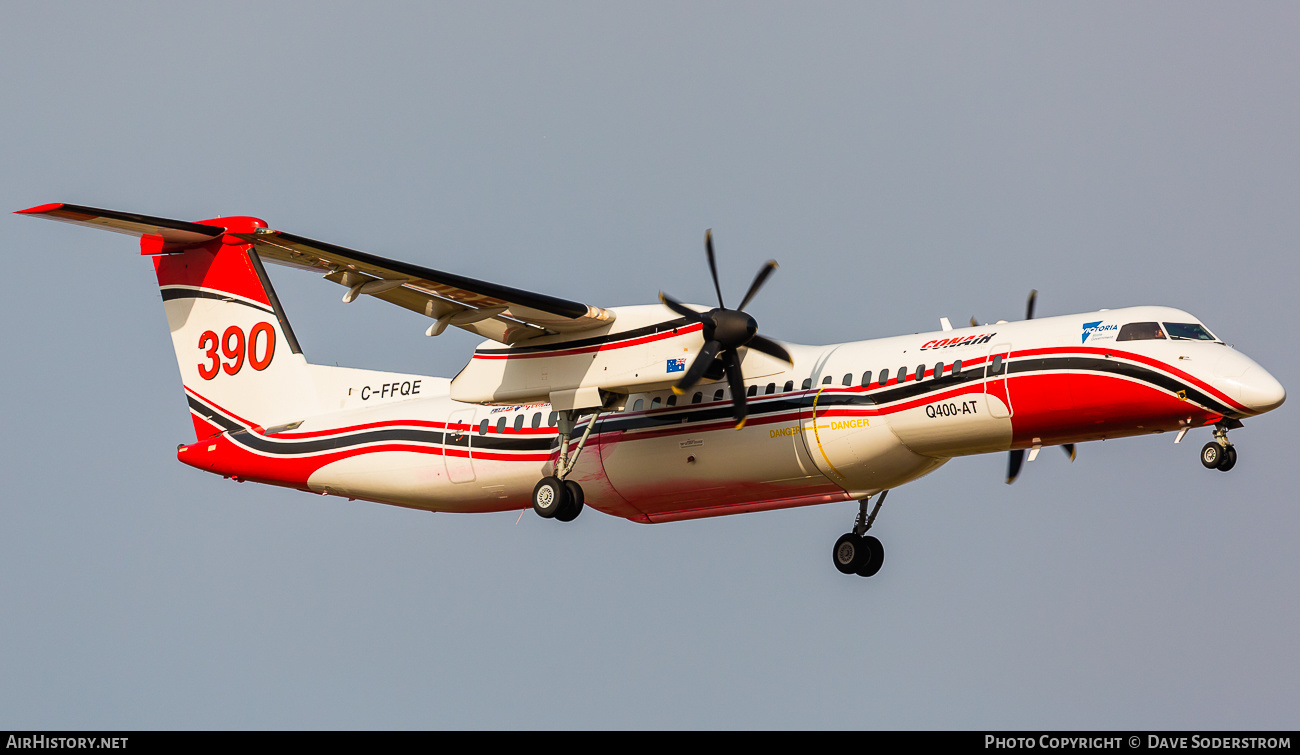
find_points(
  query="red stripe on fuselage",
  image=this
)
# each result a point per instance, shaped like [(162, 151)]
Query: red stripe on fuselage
[(1141, 359)]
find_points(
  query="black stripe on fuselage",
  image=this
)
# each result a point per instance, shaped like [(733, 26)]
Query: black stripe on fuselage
[(1130, 370), (684, 416)]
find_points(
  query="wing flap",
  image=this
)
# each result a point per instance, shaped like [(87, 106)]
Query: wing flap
[(493, 325), (516, 315)]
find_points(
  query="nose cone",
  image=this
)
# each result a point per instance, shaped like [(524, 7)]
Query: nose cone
[(1260, 391)]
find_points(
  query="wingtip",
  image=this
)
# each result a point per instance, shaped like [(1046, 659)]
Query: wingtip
[(741, 423), (39, 209), (678, 391)]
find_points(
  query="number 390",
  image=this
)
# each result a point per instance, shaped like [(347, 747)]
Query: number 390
[(234, 346)]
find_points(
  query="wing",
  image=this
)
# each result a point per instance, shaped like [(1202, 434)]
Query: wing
[(501, 313)]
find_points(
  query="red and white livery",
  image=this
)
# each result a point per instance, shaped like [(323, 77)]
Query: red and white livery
[(654, 413)]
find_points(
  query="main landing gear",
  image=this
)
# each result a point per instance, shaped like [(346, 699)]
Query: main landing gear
[(1219, 453), (555, 497), (857, 552)]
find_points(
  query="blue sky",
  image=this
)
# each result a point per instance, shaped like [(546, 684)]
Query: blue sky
[(902, 161)]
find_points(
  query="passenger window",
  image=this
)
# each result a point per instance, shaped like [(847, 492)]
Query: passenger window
[(956, 368), (638, 404), (848, 378), (551, 419), (501, 425), (717, 395), (1141, 331), (482, 428), (753, 391), (771, 388), (807, 383), (537, 420), (902, 374), (672, 400), (920, 372), (884, 376), (654, 402), (519, 422), (697, 397), (826, 380), (938, 370), (996, 366), (866, 378), (789, 386)]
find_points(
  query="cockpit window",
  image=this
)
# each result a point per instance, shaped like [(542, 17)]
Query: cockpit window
[(1188, 331), (1141, 331)]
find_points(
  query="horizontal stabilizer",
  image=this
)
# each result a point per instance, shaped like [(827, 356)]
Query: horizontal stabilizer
[(174, 233)]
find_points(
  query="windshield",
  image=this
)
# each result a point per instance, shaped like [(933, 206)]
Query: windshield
[(1188, 331), (1140, 331)]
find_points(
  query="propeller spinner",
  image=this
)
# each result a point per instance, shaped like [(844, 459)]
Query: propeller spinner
[(725, 331)]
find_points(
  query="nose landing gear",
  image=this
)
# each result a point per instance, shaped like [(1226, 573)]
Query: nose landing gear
[(1219, 453), (857, 552)]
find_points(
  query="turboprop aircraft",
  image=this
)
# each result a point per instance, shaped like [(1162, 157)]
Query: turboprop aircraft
[(683, 411)]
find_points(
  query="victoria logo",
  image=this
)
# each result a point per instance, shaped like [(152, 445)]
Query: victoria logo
[(1097, 329)]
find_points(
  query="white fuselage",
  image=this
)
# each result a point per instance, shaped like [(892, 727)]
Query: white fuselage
[(827, 428)]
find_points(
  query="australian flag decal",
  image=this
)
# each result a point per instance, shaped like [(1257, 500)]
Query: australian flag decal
[(677, 365)]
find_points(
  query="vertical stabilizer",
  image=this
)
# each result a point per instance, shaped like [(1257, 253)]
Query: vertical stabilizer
[(238, 357), (239, 360)]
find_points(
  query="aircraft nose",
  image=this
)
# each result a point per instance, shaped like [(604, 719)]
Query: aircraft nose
[(1260, 391)]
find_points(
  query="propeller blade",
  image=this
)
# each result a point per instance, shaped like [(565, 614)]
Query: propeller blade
[(1029, 308), (713, 265), (1069, 450), (736, 379), (680, 308), (759, 279), (769, 347), (1014, 463), (697, 368)]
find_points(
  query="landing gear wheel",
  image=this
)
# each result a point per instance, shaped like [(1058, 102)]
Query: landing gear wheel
[(572, 502), (849, 553), (1212, 455), (549, 497), (1229, 459), (874, 557)]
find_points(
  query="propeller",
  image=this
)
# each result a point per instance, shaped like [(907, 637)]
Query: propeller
[(725, 331), (1017, 458)]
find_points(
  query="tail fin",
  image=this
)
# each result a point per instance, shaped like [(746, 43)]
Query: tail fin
[(238, 357)]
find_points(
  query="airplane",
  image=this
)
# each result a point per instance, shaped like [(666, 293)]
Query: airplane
[(683, 411)]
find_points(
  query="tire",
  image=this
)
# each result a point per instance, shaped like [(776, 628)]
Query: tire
[(875, 557), (573, 502), (549, 497), (848, 553), (1229, 459), (1211, 455)]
